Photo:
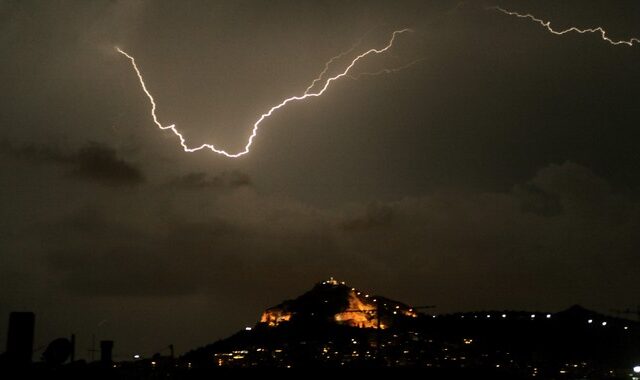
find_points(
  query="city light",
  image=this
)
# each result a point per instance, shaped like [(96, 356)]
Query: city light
[(361, 312)]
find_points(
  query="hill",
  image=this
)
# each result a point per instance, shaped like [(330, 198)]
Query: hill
[(335, 326)]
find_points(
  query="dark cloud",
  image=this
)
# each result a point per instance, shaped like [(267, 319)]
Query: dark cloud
[(99, 163), (179, 258), (224, 180), (537, 201), (448, 238), (93, 162), (375, 215), (499, 171)]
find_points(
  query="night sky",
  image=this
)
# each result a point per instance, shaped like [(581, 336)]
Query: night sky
[(499, 172)]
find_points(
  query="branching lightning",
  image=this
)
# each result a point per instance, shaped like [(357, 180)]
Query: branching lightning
[(547, 25), (256, 126), (385, 71), (327, 66)]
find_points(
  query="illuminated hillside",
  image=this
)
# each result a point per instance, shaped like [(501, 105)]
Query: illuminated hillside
[(334, 325), (333, 301)]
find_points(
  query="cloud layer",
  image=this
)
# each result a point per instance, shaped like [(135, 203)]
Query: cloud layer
[(92, 162), (499, 172)]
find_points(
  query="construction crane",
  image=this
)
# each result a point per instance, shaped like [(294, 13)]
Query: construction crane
[(164, 349)]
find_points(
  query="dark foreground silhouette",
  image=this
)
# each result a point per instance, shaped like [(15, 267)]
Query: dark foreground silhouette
[(335, 327)]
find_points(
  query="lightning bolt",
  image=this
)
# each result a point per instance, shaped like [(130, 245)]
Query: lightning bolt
[(547, 25), (256, 126), (385, 71), (326, 67)]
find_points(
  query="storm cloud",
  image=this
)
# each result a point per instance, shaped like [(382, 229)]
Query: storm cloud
[(92, 162), (501, 171)]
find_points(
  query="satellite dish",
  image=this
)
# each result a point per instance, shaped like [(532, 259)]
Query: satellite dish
[(58, 351)]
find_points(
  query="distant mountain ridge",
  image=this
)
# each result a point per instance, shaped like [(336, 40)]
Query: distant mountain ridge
[(334, 325)]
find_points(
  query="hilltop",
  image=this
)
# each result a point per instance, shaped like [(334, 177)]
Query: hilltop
[(334, 325)]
